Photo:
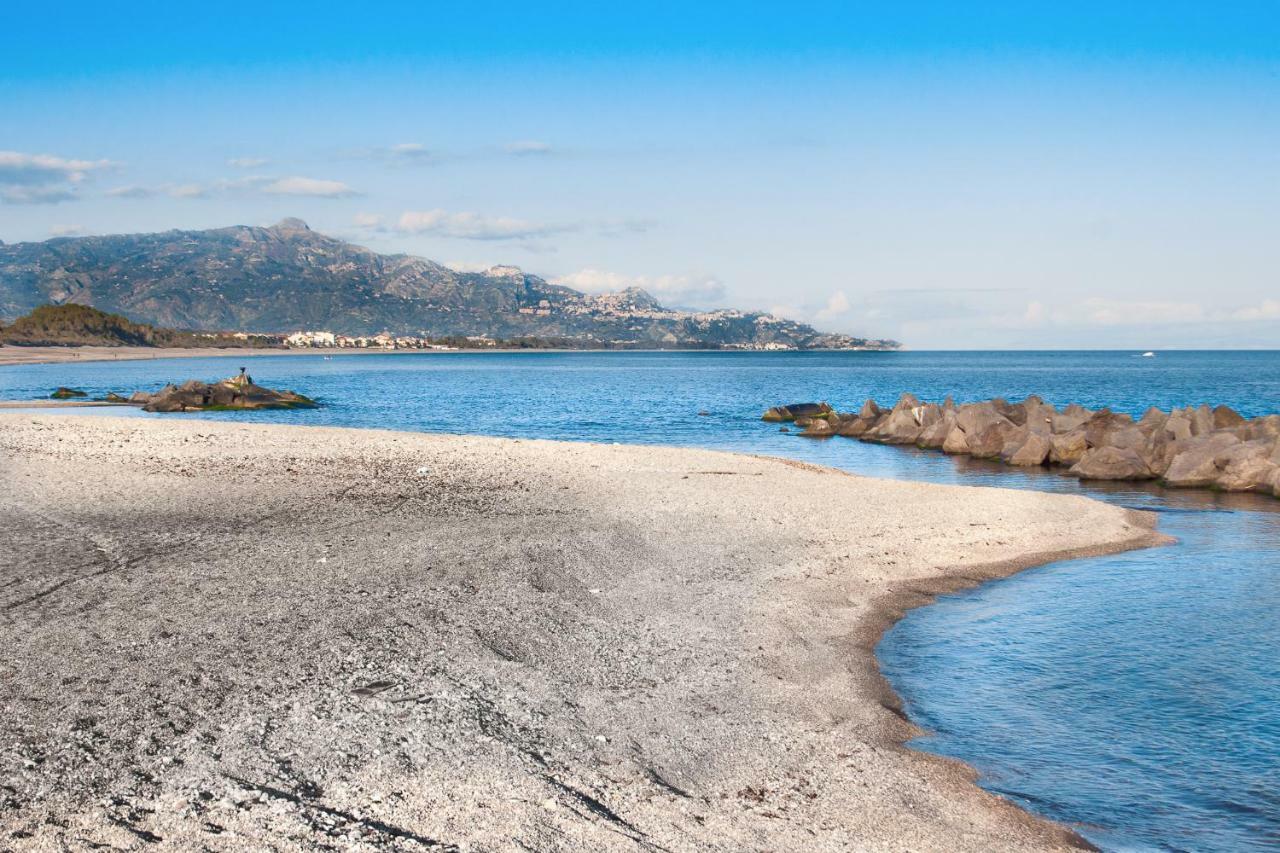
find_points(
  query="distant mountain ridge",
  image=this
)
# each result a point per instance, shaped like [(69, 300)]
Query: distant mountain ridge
[(288, 277)]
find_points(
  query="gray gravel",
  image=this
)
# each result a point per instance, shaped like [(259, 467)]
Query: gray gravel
[(225, 637)]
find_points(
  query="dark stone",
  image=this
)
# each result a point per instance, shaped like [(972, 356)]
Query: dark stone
[(67, 394), (795, 410)]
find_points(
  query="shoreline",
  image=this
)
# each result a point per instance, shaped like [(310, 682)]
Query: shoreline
[(18, 355), (842, 690), (13, 355), (895, 604)]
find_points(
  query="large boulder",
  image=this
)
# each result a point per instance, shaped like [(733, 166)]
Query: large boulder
[(1248, 467), (989, 441), (902, 425), (1067, 448), (1111, 463), (819, 428), (934, 436), (1070, 418), (974, 417), (956, 442), (1196, 461), (1032, 450), (1159, 451), (853, 426), (1015, 413), (792, 411), (1039, 415), (1201, 420), (1267, 426), (1111, 429), (980, 430), (1178, 425), (1225, 417), (1152, 421)]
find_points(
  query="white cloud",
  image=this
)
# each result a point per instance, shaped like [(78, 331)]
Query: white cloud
[(247, 162), (43, 178), (1100, 312), (1112, 312), (21, 169), (400, 154), (1269, 309), (1035, 313), (468, 266), (473, 226), (837, 305), (410, 150), (370, 221), (130, 191), (66, 230), (188, 191), (309, 187), (37, 195), (789, 312), (677, 289), (528, 147)]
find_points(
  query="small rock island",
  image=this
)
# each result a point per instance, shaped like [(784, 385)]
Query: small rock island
[(236, 393), (61, 393)]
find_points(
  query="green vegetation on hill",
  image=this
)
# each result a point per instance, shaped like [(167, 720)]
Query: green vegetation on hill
[(80, 325)]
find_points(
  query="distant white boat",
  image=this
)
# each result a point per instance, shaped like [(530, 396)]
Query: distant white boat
[(1148, 355)]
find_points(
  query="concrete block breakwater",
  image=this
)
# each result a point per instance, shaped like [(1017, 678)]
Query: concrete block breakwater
[(1194, 447)]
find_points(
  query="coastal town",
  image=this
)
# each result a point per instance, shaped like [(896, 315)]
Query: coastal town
[(317, 339)]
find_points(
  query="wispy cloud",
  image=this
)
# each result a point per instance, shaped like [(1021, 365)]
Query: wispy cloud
[(247, 162), (309, 187), (293, 186), (43, 178), (189, 191), (400, 154), (528, 148), (837, 306), (473, 226), (700, 290), (18, 169), (66, 230), (130, 191), (37, 195)]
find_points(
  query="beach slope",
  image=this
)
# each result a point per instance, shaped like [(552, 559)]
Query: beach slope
[(230, 637)]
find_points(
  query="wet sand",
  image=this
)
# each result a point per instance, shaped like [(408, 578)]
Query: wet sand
[(230, 637)]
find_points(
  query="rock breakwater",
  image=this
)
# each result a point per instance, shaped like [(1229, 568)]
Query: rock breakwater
[(1193, 447)]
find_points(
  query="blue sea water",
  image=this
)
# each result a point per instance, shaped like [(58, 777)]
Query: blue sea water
[(1135, 697)]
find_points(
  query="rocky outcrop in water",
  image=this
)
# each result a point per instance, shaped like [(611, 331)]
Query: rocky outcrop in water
[(794, 411), (238, 392), (61, 393), (1195, 447)]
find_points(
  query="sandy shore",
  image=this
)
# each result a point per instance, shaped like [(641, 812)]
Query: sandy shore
[(232, 637), (52, 355)]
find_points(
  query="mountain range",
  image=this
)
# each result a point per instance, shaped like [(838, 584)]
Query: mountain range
[(287, 277)]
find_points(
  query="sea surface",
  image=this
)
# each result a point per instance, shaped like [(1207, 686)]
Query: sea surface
[(1134, 697)]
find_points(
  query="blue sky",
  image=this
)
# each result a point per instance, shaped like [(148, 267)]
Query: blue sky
[(1001, 175)]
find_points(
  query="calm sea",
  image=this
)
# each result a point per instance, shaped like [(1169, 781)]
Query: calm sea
[(1136, 697)]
